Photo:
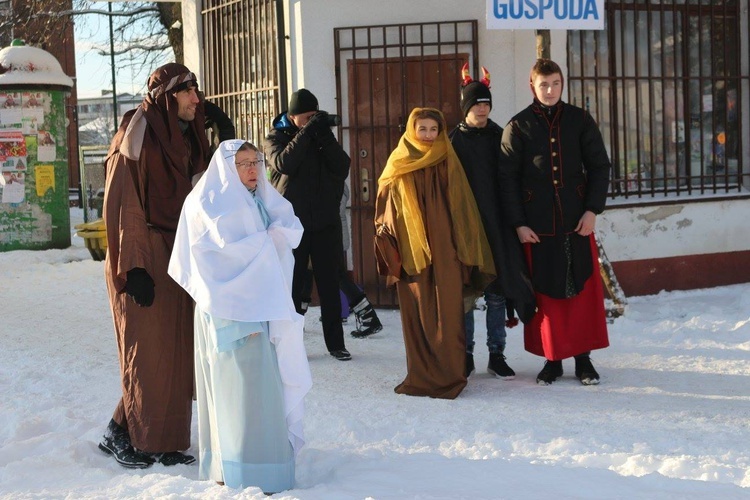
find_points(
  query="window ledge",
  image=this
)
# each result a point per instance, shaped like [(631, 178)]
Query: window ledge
[(674, 198)]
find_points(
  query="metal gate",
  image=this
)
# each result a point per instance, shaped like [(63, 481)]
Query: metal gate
[(382, 73), (242, 61)]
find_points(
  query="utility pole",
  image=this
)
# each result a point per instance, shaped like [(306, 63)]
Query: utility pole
[(112, 62), (542, 44)]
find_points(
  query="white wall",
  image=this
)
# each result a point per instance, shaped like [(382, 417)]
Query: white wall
[(192, 37), (674, 230)]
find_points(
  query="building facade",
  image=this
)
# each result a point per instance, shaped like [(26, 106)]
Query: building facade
[(97, 122), (668, 82)]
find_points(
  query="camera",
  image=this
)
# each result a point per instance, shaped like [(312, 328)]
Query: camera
[(333, 120)]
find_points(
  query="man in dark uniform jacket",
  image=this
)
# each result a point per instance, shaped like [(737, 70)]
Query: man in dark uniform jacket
[(554, 177), (309, 167), (477, 144)]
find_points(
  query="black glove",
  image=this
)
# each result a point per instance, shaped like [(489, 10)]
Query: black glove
[(318, 122), (325, 138), (510, 310), (140, 287), (320, 129)]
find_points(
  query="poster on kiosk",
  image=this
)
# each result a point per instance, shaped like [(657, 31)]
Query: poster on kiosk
[(34, 208)]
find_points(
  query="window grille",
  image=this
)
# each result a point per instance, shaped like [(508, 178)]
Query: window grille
[(240, 64), (668, 81)]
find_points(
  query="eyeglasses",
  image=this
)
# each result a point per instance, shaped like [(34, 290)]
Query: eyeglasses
[(248, 164)]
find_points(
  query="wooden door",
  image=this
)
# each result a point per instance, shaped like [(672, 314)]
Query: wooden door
[(382, 93)]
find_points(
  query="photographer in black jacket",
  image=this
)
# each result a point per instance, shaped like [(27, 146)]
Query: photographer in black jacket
[(309, 168)]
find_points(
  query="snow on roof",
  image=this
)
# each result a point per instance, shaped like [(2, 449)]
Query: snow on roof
[(20, 64), (97, 124)]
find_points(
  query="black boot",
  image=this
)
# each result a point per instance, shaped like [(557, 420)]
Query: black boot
[(550, 372), (585, 371), (498, 367), (172, 458), (116, 442), (367, 319), (469, 364), (341, 355)]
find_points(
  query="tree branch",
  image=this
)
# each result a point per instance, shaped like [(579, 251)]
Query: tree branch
[(74, 12), (134, 47)]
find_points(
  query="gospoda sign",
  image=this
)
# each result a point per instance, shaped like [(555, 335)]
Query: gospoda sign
[(545, 14)]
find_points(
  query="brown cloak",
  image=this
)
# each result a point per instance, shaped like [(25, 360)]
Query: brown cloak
[(430, 241), (142, 203)]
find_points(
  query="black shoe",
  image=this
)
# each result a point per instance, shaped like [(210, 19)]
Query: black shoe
[(550, 372), (172, 458), (367, 320), (116, 442), (469, 364), (585, 371), (341, 355), (498, 367)]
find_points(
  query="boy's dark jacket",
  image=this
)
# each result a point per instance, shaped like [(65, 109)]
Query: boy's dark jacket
[(479, 152)]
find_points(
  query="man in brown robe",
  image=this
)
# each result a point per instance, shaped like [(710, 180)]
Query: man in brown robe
[(430, 242), (156, 152)]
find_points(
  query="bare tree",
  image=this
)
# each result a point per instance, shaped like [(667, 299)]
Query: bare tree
[(170, 16), (144, 35), (20, 19), (542, 44)]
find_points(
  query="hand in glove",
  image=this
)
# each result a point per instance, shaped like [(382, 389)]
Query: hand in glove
[(320, 129), (318, 122), (140, 287)]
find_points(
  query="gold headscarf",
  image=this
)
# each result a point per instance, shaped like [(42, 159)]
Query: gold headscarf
[(468, 232)]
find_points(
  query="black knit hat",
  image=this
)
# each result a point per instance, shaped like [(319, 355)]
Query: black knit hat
[(302, 101), (473, 93)]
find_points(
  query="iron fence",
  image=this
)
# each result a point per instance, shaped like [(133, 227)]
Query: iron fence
[(668, 85)]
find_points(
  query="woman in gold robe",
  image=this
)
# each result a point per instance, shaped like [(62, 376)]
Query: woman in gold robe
[(431, 244)]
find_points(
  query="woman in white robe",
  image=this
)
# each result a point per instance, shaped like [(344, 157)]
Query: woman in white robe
[(233, 255)]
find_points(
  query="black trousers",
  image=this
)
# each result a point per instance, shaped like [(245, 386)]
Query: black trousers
[(352, 292), (323, 249)]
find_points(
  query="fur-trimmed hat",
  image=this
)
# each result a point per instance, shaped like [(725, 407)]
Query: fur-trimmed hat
[(302, 101), (473, 91)]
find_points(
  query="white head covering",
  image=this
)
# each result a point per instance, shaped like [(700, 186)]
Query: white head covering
[(223, 255), (236, 269)]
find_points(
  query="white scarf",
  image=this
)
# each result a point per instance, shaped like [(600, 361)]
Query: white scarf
[(236, 269)]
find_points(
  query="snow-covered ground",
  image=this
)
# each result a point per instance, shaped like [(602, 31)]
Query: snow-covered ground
[(671, 418)]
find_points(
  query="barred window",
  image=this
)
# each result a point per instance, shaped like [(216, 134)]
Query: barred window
[(668, 82), (241, 63)]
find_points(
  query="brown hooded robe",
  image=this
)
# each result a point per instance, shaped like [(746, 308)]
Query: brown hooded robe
[(429, 239), (142, 203)]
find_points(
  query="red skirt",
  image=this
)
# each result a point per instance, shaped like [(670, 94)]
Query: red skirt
[(562, 328)]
